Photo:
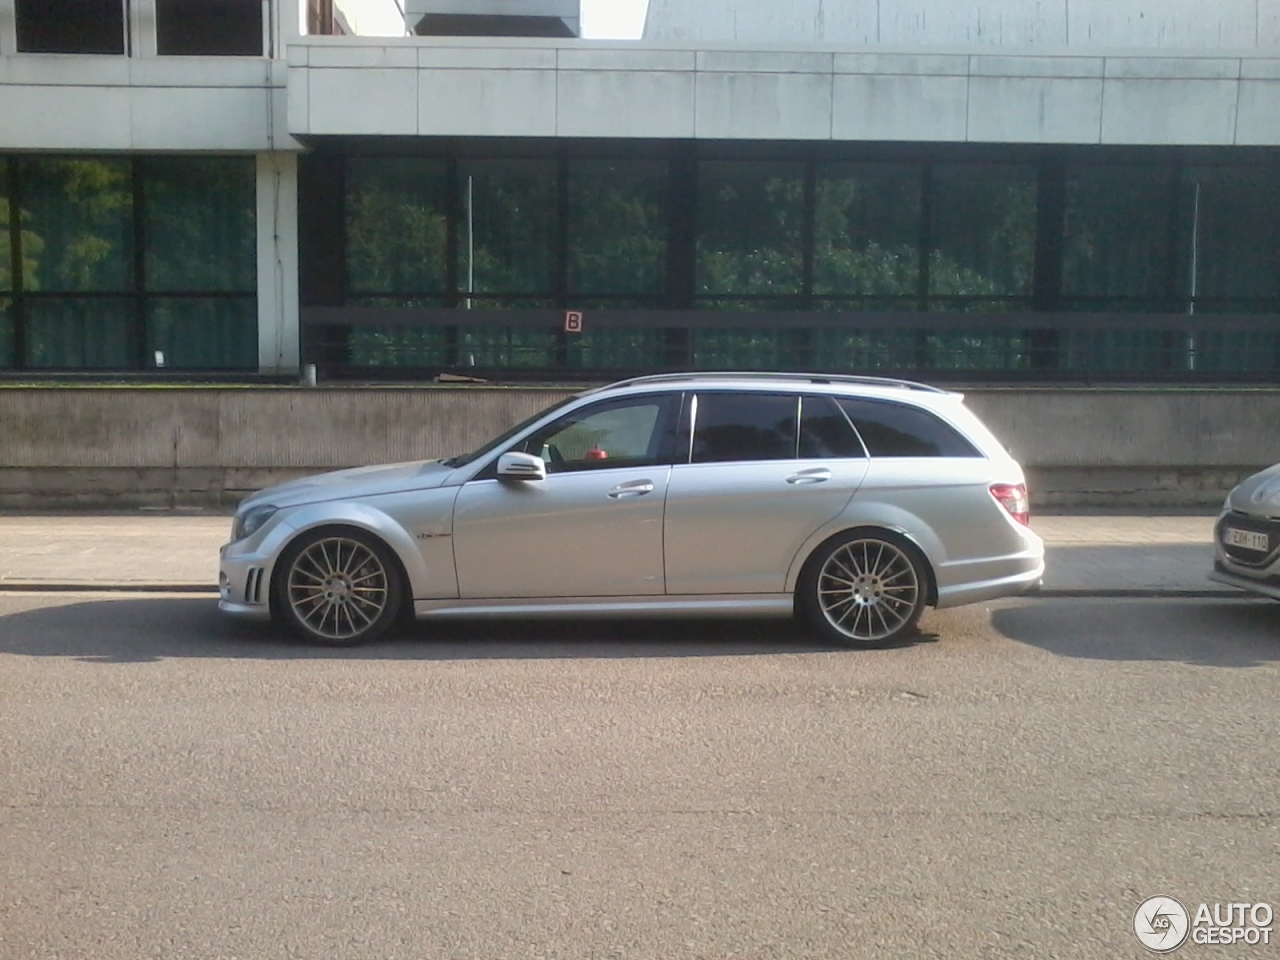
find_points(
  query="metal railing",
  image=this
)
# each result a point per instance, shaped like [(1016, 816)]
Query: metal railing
[(372, 343)]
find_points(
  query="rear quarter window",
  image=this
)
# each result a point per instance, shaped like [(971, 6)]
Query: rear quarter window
[(891, 429)]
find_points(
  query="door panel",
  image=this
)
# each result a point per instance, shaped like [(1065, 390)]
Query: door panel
[(736, 527), (595, 533)]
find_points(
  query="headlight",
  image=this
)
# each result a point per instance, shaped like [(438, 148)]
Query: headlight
[(250, 522)]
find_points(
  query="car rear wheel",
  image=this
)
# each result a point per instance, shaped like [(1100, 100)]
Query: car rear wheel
[(338, 587), (864, 589)]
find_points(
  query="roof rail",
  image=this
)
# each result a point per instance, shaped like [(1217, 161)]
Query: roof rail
[(767, 375)]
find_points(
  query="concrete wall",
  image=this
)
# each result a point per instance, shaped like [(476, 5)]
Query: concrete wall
[(1086, 24), (85, 102), (164, 447), (550, 88)]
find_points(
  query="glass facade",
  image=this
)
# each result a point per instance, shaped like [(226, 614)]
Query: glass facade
[(867, 232), (126, 264), (953, 261), (617, 228)]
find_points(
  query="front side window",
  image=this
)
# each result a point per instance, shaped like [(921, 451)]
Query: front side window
[(603, 436), (896, 430), (744, 426)]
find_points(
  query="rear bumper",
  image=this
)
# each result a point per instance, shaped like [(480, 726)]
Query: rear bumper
[(1011, 585)]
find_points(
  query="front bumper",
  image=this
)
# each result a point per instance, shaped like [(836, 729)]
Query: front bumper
[(244, 582), (1267, 586)]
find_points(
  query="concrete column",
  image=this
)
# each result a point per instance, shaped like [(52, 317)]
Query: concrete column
[(278, 327), (142, 28), (289, 21), (8, 27)]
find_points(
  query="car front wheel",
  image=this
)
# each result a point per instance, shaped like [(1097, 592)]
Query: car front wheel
[(338, 587), (864, 589)]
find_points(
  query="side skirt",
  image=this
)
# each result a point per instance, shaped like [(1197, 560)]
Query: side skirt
[(747, 605)]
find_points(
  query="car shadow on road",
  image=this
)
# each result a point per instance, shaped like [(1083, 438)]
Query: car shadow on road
[(1230, 632), (139, 630)]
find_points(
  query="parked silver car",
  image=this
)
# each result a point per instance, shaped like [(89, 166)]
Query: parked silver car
[(854, 502), (1247, 536)]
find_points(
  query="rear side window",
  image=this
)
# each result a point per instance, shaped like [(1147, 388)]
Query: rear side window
[(825, 432), (744, 426), (895, 430)]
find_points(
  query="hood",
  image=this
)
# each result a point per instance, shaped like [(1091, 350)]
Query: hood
[(358, 482), (1260, 494)]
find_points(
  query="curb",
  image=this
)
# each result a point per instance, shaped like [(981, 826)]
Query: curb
[(1141, 593)]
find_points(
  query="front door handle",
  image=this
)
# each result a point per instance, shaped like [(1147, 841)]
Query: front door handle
[(816, 475), (633, 488)]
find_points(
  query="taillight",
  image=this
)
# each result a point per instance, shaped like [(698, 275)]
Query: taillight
[(1013, 497)]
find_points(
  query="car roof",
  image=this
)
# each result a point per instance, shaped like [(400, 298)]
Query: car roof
[(839, 384)]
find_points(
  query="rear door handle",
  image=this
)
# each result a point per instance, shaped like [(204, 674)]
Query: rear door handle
[(816, 475), (633, 488)]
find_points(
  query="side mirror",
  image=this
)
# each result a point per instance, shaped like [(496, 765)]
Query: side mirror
[(521, 466)]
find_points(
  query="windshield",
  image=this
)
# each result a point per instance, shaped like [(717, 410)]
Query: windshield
[(498, 441)]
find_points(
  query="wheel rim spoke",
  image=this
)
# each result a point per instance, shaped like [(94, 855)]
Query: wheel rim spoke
[(338, 588), (868, 589)]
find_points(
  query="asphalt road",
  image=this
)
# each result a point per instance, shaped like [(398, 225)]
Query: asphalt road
[(175, 786)]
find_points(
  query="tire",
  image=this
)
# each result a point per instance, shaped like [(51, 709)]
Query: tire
[(865, 588), (338, 587)]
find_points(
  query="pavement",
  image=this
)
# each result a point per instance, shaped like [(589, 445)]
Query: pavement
[(1092, 555)]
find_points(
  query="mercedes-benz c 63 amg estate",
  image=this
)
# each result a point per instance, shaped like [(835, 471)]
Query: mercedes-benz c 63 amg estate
[(853, 502)]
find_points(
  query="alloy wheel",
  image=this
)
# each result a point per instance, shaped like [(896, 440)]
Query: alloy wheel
[(869, 590), (338, 589)]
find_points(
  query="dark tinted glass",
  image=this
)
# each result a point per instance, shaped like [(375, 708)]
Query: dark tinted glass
[(209, 27), (507, 238), (6, 253), (78, 224), (984, 230), (744, 426), (750, 220), (1117, 232), (396, 225), (617, 227), (894, 430), (1231, 226), (7, 357), (867, 229), (199, 220), (825, 431), (204, 333), (84, 332), (70, 26)]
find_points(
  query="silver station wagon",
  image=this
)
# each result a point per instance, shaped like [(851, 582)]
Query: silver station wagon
[(854, 502)]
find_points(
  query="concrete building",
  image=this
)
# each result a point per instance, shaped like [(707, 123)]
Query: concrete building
[(1005, 190)]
